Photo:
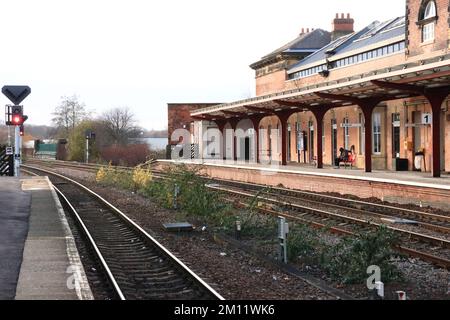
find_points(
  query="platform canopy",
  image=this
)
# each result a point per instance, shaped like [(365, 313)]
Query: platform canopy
[(429, 78), (410, 79)]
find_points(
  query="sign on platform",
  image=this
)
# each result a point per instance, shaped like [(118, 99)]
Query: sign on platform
[(351, 125), (300, 141), (427, 118)]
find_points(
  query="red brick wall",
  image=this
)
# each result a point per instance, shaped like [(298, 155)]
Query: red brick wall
[(179, 115), (392, 192), (271, 83), (414, 31)]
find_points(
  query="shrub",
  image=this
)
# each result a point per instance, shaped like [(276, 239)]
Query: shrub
[(348, 261), (141, 178), (254, 224), (193, 196), (303, 242), (111, 176), (125, 155)]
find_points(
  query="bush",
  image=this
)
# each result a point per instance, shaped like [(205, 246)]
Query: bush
[(111, 176), (193, 196), (77, 143), (348, 261), (125, 155), (255, 224), (135, 180), (303, 242), (141, 178)]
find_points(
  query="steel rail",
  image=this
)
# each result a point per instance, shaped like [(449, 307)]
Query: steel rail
[(443, 262), (144, 233), (92, 243), (419, 236), (426, 238)]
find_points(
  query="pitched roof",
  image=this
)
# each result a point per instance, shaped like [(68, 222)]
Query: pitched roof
[(304, 43), (374, 33)]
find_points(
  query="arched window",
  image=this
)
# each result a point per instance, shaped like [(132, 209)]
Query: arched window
[(428, 19), (430, 10)]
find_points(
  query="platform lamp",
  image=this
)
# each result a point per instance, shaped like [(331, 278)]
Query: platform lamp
[(324, 73)]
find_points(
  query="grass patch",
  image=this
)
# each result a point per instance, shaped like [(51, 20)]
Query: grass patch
[(135, 180), (184, 189)]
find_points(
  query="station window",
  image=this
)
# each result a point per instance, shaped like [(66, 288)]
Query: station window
[(377, 133), (362, 141), (376, 53), (346, 134), (396, 135), (428, 20)]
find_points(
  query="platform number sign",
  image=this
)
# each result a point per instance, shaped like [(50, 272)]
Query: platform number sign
[(427, 118)]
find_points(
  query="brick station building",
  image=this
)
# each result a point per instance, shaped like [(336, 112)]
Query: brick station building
[(383, 90)]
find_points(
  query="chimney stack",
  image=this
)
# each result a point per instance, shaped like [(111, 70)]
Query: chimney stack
[(306, 30), (341, 26)]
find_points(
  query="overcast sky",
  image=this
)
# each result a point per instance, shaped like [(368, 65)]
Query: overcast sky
[(144, 54)]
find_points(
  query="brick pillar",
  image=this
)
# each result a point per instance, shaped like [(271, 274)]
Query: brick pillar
[(367, 106), (436, 97), (256, 121), (319, 113), (284, 117), (221, 125), (234, 122)]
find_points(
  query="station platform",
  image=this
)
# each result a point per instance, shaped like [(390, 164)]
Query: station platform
[(38, 256), (398, 187)]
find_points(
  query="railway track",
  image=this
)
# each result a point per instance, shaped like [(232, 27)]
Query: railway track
[(428, 239), (137, 266), (430, 248)]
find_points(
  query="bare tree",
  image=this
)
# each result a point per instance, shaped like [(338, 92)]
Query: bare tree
[(119, 124), (69, 113)]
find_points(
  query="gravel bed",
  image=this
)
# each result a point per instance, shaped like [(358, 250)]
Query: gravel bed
[(237, 275), (423, 281), (234, 274)]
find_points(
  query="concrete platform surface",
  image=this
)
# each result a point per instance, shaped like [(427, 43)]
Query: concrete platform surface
[(14, 214), (37, 245)]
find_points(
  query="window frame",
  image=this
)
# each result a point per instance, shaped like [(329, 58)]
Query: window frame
[(346, 134), (427, 21), (376, 133)]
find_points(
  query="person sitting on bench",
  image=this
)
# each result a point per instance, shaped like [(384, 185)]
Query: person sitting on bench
[(346, 156), (340, 158)]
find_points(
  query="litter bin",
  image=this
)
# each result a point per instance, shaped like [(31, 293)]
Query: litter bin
[(401, 164), (419, 159)]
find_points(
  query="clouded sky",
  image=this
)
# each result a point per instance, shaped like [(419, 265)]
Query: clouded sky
[(144, 54)]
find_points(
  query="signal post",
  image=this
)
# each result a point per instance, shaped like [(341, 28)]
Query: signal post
[(15, 117)]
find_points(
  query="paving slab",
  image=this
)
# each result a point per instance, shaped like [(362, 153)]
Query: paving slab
[(51, 264), (15, 207)]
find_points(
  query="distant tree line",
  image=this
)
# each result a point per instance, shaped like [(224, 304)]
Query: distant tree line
[(113, 130)]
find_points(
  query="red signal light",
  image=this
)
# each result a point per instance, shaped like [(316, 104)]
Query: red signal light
[(17, 119)]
